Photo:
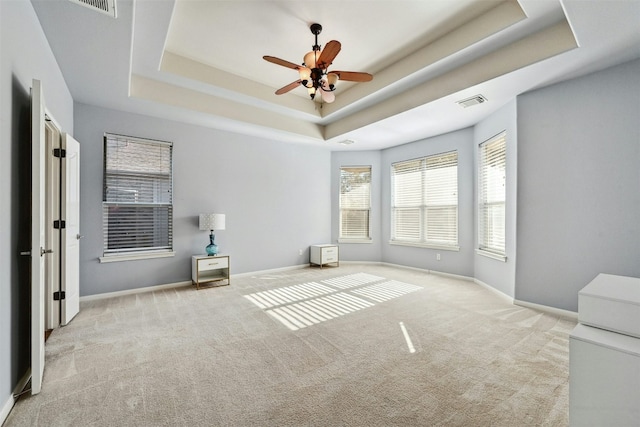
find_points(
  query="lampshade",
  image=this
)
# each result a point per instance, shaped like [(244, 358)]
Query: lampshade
[(212, 221), (305, 75), (312, 91), (310, 59), (328, 97), (332, 79)]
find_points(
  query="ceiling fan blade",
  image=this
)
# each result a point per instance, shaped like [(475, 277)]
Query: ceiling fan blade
[(288, 87), (282, 62), (328, 54), (353, 76)]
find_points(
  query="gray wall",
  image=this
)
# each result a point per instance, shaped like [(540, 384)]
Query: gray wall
[(276, 197), (578, 185), (453, 262), (370, 252), (498, 274), (24, 55)]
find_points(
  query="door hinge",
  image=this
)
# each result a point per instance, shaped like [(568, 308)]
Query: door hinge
[(58, 295), (59, 152), (59, 223)]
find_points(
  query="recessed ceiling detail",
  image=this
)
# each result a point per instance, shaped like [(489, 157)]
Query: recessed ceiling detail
[(200, 62), (434, 69)]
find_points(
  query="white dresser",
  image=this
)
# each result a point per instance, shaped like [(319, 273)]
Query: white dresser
[(212, 270), (604, 354), (324, 254)]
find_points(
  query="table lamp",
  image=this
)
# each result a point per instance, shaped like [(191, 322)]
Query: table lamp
[(211, 222)]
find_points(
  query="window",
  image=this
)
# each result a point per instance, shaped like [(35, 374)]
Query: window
[(355, 202), (491, 195), (425, 201), (137, 196)]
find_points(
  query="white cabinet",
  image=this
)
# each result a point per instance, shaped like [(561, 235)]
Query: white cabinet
[(604, 378), (210, 269), (604, 354), (324, 254)]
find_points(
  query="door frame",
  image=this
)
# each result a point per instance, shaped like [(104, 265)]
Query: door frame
[(38, 250)]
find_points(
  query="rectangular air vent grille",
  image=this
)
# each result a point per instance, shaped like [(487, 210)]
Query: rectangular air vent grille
[(474, 100), (108, 7)]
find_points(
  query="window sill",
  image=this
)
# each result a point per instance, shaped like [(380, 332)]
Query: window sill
[(134, 257), (359, 241), (492, 255), (426, 245)]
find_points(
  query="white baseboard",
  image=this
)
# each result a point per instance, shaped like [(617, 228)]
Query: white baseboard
[(497, 292), (451, 275), (8, 406), (511, 300), (134, 291), (179, 284), (273, 270), (552, 310)]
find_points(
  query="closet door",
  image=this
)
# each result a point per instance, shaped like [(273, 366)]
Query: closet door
[(70, 239)]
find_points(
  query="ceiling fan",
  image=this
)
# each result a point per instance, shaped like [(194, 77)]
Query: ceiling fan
[(313, 72)]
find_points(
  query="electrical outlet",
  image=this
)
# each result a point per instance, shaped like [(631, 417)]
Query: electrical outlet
[(299, 251), (437, 257)]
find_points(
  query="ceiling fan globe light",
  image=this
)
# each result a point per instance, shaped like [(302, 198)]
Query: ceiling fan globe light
[(310, 59), (304, 73), (312, 91), (332, 79)]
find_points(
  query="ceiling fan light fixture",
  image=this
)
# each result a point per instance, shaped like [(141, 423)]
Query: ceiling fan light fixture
[(332, 79), (310, 59), (328, 96), (314, 74), (305, 74), (312, 91)]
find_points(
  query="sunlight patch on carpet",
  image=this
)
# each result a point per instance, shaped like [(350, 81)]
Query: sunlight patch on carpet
[(387, 290), (307, 304)]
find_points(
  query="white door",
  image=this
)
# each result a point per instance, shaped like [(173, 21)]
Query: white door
[(52, 236), (70, 239), (38, 250)]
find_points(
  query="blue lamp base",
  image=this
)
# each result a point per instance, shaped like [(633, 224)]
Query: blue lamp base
[(212, 248)]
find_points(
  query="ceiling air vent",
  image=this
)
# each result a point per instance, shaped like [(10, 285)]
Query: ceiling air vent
[(346, 142), (474, 100), (108, 7)]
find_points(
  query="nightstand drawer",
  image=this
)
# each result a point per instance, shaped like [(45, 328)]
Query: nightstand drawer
[(213, 263), (329, 258)]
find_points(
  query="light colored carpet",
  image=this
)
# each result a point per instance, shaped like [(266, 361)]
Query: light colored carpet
[(357, 345)]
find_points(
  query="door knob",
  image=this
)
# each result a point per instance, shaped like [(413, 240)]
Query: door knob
[(45, 251), (79, 236)]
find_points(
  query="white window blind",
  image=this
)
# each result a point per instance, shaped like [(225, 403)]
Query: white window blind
[(425, 200), (492, 194), (137, 195), (355, 202)]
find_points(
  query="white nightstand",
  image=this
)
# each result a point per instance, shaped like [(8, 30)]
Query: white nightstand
[(324, 254), (209, 269)]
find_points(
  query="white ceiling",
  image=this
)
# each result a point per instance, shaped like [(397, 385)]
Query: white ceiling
[(200, 62)]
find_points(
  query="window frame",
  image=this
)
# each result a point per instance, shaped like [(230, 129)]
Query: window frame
[(488, 189), (341, 210), (423, 207), (133, 252)]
